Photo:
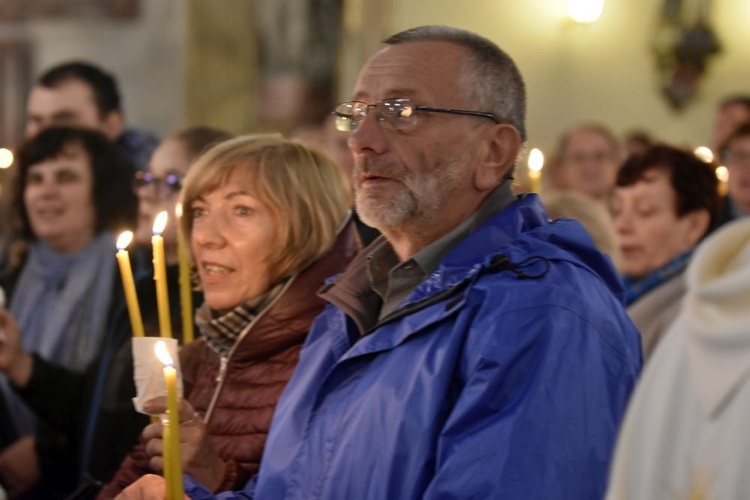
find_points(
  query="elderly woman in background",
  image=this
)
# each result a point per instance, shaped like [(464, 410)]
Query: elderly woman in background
[(594, 217), (268, 220), (666, 201), (93, 411), (70, 194)]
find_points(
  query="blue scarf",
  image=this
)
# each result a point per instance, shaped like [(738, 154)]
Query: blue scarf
[(61, 304), (635, 289)]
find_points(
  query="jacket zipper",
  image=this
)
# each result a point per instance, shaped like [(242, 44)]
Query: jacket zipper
[(224, 360)]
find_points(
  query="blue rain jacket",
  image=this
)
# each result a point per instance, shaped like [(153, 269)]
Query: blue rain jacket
[(504, 375)]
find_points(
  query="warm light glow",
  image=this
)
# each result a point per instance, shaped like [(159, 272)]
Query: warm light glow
[(178, 210), (160, 349), (585, 11), (704, 154), (536, 160), (160, 222), (722, 173), (6, 158), (124, 239)]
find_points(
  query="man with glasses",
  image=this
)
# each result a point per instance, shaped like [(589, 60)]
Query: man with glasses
[(476, 350)]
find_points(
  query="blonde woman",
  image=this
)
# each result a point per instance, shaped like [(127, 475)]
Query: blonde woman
[(268, 222)]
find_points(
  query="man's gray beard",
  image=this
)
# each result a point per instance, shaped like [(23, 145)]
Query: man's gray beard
[(384, 213)]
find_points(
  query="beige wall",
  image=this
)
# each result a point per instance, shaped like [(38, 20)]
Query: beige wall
[(146, 55), (602, 71)]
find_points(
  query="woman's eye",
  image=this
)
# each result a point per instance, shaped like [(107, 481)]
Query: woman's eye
[(197, 212), (243, 210), (33, 179), (646, 212)]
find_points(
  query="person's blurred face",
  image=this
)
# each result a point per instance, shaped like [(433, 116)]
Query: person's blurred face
[(71, 103), (589, 164), (727, 119), (738, 164), (59, 200), (650, 234), (232, 236), (419, 181), (159, 189)]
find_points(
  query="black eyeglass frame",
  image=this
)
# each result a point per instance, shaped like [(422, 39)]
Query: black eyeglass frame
[(415, 108)]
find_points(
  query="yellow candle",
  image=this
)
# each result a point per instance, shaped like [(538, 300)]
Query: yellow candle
[(128, 284), (186, 292), (160, 276), (536, 162), (172, 459)]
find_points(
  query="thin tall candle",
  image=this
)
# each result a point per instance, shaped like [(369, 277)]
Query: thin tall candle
[(160, 276), (536, 162), (128, 284), (186, 292), (172, 460)]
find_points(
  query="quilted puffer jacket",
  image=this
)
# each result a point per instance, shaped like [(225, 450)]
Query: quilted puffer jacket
[(237, 395)]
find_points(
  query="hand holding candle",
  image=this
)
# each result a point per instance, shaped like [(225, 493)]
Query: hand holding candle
[(172, 460), (160, 276), (128, 284)]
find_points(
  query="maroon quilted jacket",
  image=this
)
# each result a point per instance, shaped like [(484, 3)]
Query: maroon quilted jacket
[(256, 373)]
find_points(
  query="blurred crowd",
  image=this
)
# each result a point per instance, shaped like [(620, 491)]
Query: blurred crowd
[(640, 234)]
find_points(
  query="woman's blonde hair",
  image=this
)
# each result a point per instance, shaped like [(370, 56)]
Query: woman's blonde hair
[(306, 193)]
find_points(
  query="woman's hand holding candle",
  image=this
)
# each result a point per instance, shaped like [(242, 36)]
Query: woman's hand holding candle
[(199, 459)]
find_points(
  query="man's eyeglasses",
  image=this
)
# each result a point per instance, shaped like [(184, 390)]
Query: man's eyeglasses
[(161, 187), (397, 114)]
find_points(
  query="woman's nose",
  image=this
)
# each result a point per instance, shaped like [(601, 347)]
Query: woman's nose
[(209, 232)]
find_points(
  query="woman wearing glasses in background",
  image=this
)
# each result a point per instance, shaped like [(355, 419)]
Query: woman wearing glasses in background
[(90, 423)]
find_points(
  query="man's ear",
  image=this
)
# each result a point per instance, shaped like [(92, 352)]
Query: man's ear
[(113, 124), (497, 157), (697, 222)]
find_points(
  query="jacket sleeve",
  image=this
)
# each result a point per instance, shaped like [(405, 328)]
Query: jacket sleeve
[(55, 394), (541, 394), (197, 491)]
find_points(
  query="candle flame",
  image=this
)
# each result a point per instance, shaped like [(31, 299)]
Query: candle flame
[(178, 210), (704, 154), (124, 239), (160, 349), (722, 173), (160, 222), (536, 160)]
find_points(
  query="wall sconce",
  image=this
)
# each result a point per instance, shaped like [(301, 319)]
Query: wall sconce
[(584, 11)]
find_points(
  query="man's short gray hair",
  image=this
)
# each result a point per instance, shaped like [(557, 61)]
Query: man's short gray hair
[(490, 75)]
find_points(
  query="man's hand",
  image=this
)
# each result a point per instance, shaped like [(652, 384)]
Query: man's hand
[(199, 459), (14, 361)]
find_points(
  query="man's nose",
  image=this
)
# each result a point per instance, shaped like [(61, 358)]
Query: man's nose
[(369, 137)]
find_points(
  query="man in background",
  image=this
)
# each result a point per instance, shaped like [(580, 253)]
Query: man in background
[(81, 94)]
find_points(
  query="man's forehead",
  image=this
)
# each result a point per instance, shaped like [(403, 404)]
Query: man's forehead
[(69, 94), (411, 69)]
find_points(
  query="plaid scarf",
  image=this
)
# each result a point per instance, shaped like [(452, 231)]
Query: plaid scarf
[(222, 332), (635, 289)]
